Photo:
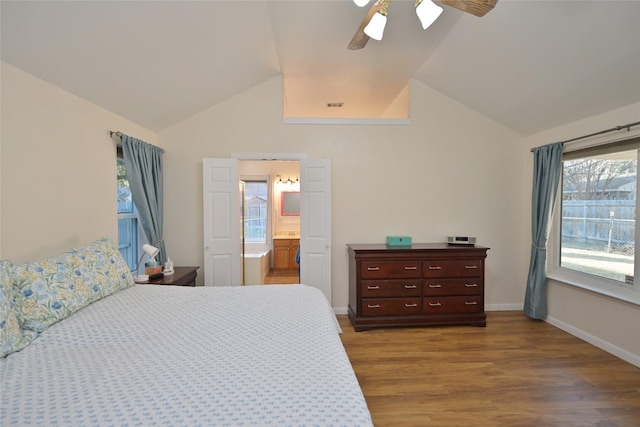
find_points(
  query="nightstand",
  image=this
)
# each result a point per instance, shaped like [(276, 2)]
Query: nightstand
[(183, 276)]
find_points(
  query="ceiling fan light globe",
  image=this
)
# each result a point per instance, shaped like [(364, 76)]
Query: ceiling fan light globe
[(428, 12), (361, 3), (375, 27)]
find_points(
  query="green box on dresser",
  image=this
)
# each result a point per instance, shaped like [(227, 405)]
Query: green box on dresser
[(421, 284)]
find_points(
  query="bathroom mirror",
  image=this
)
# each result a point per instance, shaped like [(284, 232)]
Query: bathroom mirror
[(290, 203)]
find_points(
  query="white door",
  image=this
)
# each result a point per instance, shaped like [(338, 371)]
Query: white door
[(315, 224), (221, 232), (222, 236)]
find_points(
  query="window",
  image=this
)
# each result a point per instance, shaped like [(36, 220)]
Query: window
[(255, 211), (594, 229), (129, 237)]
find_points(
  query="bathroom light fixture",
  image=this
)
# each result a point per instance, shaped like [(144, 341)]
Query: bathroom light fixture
[(427, 12), (361, 3), (152, 251)]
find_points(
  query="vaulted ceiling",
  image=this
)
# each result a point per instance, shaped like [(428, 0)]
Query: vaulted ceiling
[(529, 65)]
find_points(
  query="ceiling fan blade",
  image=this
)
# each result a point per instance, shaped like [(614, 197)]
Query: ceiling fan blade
[(474, 7), (360, 39)]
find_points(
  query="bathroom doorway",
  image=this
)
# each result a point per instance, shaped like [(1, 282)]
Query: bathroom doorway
[(271, 236), (222, 266)]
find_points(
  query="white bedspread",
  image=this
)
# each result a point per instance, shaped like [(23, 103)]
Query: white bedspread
[(175, 356)]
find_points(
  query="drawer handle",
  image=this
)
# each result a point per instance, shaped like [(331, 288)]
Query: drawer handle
[(411, 268), (435, 267), (373, 268), (373, 305), (410, 286), (434, 304), (411, 305), (435, 286), (470, 267), (471, 285), (470, 303), (373, 287)]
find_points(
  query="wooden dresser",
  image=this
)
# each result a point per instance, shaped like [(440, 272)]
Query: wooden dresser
[(422, 284)]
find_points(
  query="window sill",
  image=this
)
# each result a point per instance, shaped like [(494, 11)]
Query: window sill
[(617, 292)]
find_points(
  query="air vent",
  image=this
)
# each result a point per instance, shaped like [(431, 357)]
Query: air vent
[(335, 104)]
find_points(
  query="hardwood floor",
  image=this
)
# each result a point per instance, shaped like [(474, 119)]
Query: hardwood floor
[(514, 372), (281, 278)]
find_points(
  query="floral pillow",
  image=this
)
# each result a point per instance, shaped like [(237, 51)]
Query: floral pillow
[(51, 289), (12, 337), (113, 274)]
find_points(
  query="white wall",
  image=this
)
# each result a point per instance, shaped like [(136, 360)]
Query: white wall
[(58, 168), (452, 171), (603, 321)]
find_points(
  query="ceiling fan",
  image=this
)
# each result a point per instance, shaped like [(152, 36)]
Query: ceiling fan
[(372, 25)]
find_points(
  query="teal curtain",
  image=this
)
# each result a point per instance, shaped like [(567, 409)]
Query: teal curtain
[(547, 171), (143, 163)]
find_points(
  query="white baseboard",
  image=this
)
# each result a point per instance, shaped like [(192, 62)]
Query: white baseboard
[(591, 339), (340, 310), (504, 307)]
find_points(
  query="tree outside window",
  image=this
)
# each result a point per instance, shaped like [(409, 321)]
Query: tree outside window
[(255, 211), (128, 233), (598, 216)]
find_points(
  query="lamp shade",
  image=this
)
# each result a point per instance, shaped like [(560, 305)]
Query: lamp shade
[(361, 3), (427, 12), (375, 27), (152, 251)]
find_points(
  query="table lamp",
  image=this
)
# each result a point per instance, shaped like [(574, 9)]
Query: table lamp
[(152, 251)]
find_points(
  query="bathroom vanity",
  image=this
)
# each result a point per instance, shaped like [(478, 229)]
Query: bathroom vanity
[(285, 249)]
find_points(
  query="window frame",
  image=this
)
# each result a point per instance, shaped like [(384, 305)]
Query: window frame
[(267, 180), (597, 284), (141, 237)]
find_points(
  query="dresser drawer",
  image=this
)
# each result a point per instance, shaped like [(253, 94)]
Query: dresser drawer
[(391, 306), (470, 286), (448, 305), (391, 288), (390, 269), (452, 268)]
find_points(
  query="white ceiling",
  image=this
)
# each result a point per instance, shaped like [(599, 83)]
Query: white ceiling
[(529, 65)]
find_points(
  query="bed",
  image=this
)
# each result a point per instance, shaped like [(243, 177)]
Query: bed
[(176, 356)]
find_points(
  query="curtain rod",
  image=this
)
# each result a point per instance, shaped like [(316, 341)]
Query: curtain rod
[(627, 127), (119, 134)]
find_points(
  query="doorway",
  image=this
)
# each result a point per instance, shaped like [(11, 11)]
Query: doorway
[(222, 265), (268, 230)]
